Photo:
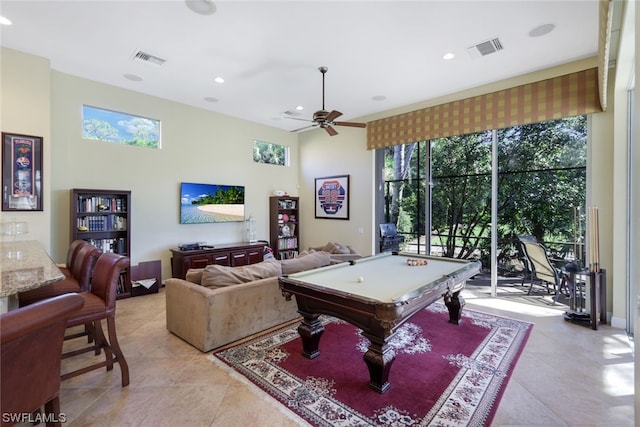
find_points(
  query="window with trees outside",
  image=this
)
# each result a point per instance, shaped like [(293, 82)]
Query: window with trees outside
[(443, 206), (273, 154), (120, 128)]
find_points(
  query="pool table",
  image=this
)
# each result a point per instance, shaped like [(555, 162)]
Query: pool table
[(376, 294)]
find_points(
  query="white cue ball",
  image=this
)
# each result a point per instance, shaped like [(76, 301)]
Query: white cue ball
[(360, 279)]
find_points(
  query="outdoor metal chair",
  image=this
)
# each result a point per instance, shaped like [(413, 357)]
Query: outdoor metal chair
[(542, 269)]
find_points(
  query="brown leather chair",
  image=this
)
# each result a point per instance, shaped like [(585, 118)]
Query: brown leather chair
[(100, 303), (80, 280), (30, 345), (72, 254)]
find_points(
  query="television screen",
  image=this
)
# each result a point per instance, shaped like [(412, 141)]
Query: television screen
[(211, 203)]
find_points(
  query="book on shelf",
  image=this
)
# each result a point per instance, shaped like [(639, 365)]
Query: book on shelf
[(287, 243), (288, 254), (101, 204)]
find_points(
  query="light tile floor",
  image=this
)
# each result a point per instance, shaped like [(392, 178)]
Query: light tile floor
[(568, 375)]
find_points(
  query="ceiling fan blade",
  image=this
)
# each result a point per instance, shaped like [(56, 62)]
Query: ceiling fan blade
[(351, 124), (298, 118), (306, 127), (333, 115), (331, 131)]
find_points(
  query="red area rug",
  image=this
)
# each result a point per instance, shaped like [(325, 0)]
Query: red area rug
[(443, 374)]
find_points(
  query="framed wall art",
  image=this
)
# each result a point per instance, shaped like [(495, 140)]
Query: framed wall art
[(21, 172), (332, 197)]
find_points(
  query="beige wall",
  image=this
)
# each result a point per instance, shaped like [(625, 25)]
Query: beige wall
[(197, 146), (346, 153), (25, 109)]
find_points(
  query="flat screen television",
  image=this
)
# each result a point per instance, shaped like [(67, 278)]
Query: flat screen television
[(202, 203)]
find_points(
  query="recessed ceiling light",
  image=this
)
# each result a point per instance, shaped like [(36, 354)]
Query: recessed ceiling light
[(299, 108), (449, 55), (542, 30), (202, 7), (219, 80), (5, 21), (379, 98), (133, 77), (211, 99)]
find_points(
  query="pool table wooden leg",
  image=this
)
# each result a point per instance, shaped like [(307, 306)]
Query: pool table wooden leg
[(310, 330), (454, 303), (379, 358)]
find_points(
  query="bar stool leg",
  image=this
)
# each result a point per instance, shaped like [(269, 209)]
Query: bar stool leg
[(115, 346)]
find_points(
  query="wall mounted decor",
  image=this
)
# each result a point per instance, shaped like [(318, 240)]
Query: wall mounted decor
[(202, 203), (21, 172), (332, 197)]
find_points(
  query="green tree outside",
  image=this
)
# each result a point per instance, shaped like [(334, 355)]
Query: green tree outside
[(542, 184)]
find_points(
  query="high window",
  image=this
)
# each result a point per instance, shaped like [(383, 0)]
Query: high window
[(119, 128)]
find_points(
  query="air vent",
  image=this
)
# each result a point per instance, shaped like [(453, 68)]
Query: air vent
[(147, 57), (485, 48)]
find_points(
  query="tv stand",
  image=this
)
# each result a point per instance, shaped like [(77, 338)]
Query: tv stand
[(229, 254)]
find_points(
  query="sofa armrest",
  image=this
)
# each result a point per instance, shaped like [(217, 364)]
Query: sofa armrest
[(187, 307), (209, 318)]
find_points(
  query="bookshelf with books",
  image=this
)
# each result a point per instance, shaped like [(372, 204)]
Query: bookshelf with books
[(283, 226), (103, 218)]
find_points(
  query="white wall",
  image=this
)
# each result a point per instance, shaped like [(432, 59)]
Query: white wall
[(197, 146)]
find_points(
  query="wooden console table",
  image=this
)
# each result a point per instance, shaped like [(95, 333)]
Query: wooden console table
[(229, 254)]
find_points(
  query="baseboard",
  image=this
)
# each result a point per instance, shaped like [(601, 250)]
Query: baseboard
[(617, 322)]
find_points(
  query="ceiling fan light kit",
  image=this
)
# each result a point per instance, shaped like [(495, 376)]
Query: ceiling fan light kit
[(326, 119)]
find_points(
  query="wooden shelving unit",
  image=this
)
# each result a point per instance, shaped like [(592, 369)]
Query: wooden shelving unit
[(103, 218), (284, 230)]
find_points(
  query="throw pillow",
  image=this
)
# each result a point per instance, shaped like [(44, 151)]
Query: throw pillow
[(341, 249), (306, 262), (329, 247), (215, 276)]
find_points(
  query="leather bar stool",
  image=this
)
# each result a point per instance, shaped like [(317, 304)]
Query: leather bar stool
[(79, 281), (31, 345), (72, 253), (99, 304)]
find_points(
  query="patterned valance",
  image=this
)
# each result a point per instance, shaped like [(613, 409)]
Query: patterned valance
[(564, 96)]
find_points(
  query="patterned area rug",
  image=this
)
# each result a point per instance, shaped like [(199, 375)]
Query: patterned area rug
[(443, 374)]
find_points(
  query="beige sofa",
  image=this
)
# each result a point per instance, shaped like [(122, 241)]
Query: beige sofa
[(338, 252), (218, 305)]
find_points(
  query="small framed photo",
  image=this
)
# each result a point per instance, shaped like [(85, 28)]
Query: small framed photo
[(332, 197), (21, 172)]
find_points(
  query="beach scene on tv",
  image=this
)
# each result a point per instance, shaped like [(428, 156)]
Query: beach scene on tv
[(211, 203)]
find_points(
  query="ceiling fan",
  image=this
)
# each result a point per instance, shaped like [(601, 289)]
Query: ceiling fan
[(326, 119)]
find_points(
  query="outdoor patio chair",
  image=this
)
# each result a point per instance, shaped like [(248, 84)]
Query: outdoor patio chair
[(542, 269)]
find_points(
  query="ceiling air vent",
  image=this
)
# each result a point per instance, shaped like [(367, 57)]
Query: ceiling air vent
[(147, 57), (485, 48)]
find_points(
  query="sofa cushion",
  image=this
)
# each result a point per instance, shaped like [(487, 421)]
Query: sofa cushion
[(194, 275), (305, 262), (220, 275)]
